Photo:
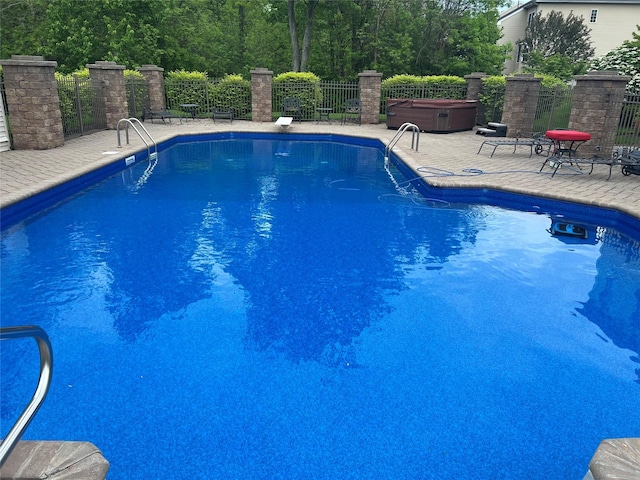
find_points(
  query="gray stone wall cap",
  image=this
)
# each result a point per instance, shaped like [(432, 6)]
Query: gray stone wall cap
[(476, 75), (604, 75), (524, 76), (370, 73), (101, 65), (150, 67), (31, 60), (261, 71)]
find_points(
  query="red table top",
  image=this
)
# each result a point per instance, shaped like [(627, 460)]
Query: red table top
[(568, 135)]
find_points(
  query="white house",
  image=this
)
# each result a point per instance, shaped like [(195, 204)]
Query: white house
[(611, 22)]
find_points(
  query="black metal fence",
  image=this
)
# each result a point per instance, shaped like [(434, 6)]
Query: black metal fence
[(554, 108), (203, 97), (82, 108), (329, 96), (137, 96), (628, 134)]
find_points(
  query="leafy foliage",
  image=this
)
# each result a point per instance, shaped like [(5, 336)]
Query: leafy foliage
[(232, 93), (419, 37), (557, 45), (431, 86), (491, 97), (303, 85), (625, 59)]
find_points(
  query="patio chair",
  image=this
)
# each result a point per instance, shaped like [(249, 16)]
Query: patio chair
[(222, 113), (291, 107), (352, 111)]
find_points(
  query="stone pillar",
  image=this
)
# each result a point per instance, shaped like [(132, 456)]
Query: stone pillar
[(520, 104), (154, 76), (261, 103), (33, 102), (474, 85), (370, 83), (107, 79), (596, 106)]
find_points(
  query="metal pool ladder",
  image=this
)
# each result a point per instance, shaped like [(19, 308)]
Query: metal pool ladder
[(415, 138), (133, 121), (46, 368)]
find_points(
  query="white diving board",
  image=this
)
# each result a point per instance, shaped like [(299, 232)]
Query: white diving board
[(284, 122)]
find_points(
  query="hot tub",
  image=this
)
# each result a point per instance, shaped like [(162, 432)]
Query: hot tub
[(432, 115)]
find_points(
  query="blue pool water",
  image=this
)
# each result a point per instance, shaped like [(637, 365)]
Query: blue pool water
[(254, 308)]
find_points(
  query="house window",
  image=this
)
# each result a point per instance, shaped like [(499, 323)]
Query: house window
[(594, 16), (521, 55), (530, 18)]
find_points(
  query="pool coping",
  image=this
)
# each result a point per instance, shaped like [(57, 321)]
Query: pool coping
[(452, 151)]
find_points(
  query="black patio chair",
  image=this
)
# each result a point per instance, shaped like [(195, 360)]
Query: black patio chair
[(352, 111), (291, 107)]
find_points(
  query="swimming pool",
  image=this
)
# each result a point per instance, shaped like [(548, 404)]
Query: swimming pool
[(255, 307)]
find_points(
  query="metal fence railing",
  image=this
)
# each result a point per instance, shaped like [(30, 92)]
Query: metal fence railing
[(628, 133), (554, 108), (81, 106), (137, 96), (208, 96), (327, 95), (491, 105)]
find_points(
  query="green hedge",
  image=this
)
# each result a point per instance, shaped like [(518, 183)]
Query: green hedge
[(304, 85)]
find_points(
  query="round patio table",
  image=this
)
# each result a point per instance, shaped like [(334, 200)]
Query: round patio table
[(566, 142)]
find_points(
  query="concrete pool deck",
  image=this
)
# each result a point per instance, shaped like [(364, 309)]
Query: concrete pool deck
[(26, 172)]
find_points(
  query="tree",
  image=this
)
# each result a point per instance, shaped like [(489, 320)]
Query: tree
[(625, 59), (557, 45), (299, 58)]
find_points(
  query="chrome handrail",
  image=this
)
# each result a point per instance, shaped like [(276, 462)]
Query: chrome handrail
[(403, 128), (130, 121), (46, 369)]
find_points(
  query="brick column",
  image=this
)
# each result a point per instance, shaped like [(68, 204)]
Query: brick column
[(520, 104), (261, 103), (154, 76), (33, 102), (596, 106), (107, 79), (370, 83), (474, 87)]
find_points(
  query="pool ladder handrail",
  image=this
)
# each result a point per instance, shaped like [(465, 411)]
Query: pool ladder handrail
[(46, 369), (415, 139), (131, 121)]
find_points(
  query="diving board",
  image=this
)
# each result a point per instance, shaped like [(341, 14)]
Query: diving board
[(284, 122)]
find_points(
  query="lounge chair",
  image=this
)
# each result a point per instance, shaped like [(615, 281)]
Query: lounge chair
[(162, 114)]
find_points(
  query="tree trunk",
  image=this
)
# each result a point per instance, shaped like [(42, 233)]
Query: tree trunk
[(306, 42), (295, 57)]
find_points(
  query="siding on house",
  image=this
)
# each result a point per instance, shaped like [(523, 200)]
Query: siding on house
[(615, 22)]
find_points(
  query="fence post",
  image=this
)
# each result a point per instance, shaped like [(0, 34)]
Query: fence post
[(520, 103), (155, 80), (370, 83), (261, 103), (107, 79), (33, 102), (596, 107)]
